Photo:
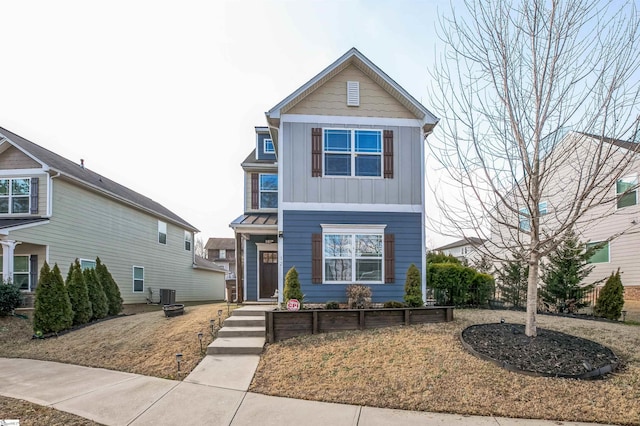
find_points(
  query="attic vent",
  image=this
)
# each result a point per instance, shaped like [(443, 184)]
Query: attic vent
[(353, 93)]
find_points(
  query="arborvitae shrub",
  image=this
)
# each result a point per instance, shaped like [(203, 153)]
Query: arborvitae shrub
[(97, 297), (78, 295), (611, 298), (413, 287), (10, 298), (111, 289), (292, 288), (52, 311), (393, 304)]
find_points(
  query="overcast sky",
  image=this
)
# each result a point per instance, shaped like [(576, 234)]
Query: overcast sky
[(163, 96)]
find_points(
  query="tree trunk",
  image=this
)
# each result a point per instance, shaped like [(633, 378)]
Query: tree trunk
[(532, 295)]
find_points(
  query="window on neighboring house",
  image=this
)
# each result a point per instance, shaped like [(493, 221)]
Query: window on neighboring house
[(162, 232), (353, 256), (21, 271), (627, 192), (352, 152), (524, 217), (138, 279), (268, 191), (15, 195), (223, 254), (87, 264), (187, 240), (268, 147), (602, 254)]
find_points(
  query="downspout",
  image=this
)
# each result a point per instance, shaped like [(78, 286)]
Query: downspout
[(280, 232)]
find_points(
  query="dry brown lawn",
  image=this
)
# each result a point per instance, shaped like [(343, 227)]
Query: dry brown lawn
[(426, 368), (142, 343), (36, 415)]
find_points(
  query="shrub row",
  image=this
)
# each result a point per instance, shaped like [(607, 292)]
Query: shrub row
[(459, 285)]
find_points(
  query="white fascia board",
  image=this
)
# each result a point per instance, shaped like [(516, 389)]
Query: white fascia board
[(25, 226), (255, 229), (352, 207), (351, 120), (23, 172), (28, 154), (330, 228)]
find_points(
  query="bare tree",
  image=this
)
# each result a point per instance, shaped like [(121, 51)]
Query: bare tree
[(199, 248), (514, 77)]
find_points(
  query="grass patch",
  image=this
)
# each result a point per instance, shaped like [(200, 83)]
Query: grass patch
[(425, 367)]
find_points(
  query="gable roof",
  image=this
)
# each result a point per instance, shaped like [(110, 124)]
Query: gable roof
[(220, 243), (471, 241), (54, 164), (202, 263), (628, 145), (354, 57)]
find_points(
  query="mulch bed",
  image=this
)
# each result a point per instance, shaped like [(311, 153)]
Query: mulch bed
[(550, 353)]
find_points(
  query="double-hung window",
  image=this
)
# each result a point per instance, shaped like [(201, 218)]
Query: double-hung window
[(15, 195), (524, 218), (268, 147), (352, 152), (162, 232), (21, 271), (268, 191), (187, 240), (138, 279), (627, 192), (353, 255)]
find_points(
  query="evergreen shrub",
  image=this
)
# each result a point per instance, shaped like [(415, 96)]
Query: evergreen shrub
[(10, 298), (413, 287), (53, 312), (611, 298)]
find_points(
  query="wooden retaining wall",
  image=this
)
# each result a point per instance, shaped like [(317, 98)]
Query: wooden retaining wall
[(282, 325)]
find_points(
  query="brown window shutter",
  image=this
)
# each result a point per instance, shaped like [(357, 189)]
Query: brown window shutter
[(255, 193), (34, 195), (388, 154), (316, 258), (389, 258), (316, 152)]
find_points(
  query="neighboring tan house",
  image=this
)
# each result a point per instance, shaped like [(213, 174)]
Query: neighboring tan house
[(615, 224), (222, 252), (55, 210), (335, 188), (463, 249)]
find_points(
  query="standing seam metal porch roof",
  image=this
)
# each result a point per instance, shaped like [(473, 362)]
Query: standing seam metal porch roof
[(256, 219)]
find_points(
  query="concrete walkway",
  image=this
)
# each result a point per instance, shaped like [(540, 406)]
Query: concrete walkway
[(215, 393)]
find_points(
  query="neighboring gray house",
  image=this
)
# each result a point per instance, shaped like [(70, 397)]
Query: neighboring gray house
[(335, 187), (464, 249), (55, 210), (222, 251)]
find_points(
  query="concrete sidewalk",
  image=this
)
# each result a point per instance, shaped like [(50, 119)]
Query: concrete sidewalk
[(215, 393)]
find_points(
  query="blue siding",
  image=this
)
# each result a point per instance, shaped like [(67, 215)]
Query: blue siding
[(260, 154), (251, 260), (298, 226)]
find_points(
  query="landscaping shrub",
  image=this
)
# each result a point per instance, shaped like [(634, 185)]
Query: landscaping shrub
[(78, 295), (10, 298), (413, 287), (53, 312), (393, 304), (453, 280), (481, 289), (359, 296), (292, 286), (439, 257), (97, 297), (110, 287), (611, 298), (332, 305), (513, 277)]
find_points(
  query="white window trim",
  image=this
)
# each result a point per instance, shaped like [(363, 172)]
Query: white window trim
[(188, 238), (523, 210), (162, 225), (133, 279), (349, 229), (88, 260), (222, 253), (260, 191), (29, 283), (264, 146), (353, 153), (634, 177), (10, 196), (608, 252)]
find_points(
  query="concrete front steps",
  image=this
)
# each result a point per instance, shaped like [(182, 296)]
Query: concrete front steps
[(243, 333)]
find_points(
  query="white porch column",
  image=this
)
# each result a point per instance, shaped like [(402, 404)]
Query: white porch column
[(8, 248)]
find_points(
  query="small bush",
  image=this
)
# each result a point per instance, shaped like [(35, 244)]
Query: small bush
[(98, 299), (53, 310), (481, 290), (292, 286), (110, 287), (439, 257), (359, 296), (78, 295), (10, 298), (413, 287), (611, 298), (393, 304), (332, 305)]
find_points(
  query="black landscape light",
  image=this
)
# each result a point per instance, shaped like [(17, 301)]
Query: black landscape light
[(178, 360), (200, 336), (212, 323)]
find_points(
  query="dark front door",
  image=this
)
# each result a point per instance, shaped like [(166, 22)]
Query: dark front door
[(268, 274)]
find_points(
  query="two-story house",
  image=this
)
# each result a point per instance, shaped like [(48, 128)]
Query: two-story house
[(222, 252), (55, 210), (464, 250), (335, 188)]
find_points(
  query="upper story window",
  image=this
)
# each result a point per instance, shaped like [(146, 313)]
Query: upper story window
[(601, 254), (525, 218), (222, 254), (350, 257), (15, 195), (349, 152), (187, 240), (627, 192), (268, 147), (268, 191), (162, 232)]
